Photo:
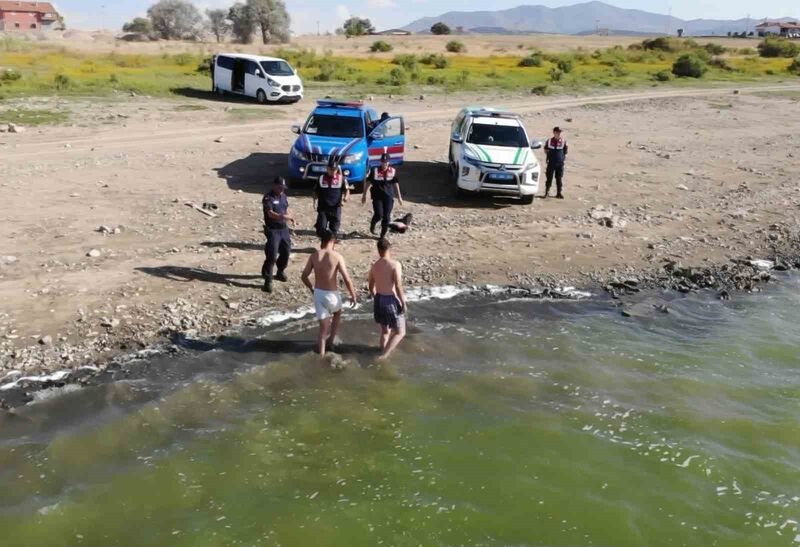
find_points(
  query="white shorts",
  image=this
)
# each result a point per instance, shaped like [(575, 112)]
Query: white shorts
[(327, 303)]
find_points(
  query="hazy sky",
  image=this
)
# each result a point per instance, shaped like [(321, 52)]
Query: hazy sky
[(91, 14)]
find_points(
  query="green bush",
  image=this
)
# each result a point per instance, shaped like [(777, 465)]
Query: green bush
[(715, 49), (534, 59), (747, 51), (113, 79), (436, 60), (722, 64), (462, 78), (662, 76), (540, 90), (407, 60), (564, 65), (182, 59), (62, 82), (619, 70), (778, 47), (689, 65), (556, 74), (454, 46), (380, 46), (329, 70), (398, 77), (10, 75), (205, 65), (435, 80), (794, 68), (662, 43)]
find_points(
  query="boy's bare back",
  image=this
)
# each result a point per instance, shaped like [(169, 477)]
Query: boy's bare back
[(326, 264), (386, 274)]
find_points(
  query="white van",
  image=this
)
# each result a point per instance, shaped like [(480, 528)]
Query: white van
[(267, 79)]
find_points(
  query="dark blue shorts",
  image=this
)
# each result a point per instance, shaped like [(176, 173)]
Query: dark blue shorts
[(388, 311)]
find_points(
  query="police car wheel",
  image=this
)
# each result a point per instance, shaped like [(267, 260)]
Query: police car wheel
[(527, 200), (261, 97)]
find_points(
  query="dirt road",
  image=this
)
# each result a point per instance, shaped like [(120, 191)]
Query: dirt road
[(694, 174)]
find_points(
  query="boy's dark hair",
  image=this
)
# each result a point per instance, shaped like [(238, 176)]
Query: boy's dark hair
[(384, 245), (326, 236)]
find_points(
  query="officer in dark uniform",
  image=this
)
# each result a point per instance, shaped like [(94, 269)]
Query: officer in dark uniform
[(330, 193), (384, 185), (276, 227), (556, 149)]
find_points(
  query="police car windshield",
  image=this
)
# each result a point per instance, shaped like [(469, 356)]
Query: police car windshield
[(334, 126), (497, 135), (277, 68)]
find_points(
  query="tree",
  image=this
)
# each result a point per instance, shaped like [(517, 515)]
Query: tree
[(689, 65), (139, 25), (218, 23), (272, 18), (440, 28), (242, 24), (356, 26), (175, 19)]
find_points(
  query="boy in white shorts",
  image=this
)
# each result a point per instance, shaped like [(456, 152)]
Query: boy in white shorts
[(326, 264)]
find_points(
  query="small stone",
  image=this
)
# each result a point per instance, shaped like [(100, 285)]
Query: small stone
[(682, 187), (219, 139), (46, 340), (94, 253), (14, 128), (8, 259)]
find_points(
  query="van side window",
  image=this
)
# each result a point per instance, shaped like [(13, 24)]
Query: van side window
[(225, 62), (251, 68)]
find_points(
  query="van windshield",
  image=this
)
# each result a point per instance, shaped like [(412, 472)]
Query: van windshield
[(497, 135), (277, 68), (334, 126)]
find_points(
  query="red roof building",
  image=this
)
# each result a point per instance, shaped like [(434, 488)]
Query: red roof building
[(19, 16)]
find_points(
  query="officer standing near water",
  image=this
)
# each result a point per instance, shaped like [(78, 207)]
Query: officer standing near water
[(384, 186), (556, 149), (276, 227), (330, 193)]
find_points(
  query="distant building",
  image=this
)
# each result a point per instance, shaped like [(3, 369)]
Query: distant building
[(789, 29), (393, 32), (16, 15)]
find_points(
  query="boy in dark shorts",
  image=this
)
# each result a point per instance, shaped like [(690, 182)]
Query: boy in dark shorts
[(386, 287)]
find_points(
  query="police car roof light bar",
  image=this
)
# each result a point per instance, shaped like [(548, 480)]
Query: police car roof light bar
[(340, 103), (495, 114)]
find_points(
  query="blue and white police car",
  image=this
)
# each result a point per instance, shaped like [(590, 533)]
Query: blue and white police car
[(350, 131)]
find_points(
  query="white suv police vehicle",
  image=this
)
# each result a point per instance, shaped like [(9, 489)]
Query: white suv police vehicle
[(490, 152)]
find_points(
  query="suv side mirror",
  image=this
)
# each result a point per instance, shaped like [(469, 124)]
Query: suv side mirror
[(296, 129), (536, 145), (456, 139)]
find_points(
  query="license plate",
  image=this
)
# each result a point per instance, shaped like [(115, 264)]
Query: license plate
[(501, 176), (318, 168)]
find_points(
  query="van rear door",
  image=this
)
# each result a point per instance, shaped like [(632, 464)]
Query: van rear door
[(223, 73)]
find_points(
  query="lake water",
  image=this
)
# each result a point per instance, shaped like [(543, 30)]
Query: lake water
[(502, 421)]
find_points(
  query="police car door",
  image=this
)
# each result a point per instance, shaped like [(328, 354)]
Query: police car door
[(388, 137)]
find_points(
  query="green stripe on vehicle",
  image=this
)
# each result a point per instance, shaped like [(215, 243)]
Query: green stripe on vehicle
[(486, 155), (516, 156)]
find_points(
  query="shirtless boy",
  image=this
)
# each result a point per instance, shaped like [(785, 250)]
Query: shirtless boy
[(326, 264), (386, 286)]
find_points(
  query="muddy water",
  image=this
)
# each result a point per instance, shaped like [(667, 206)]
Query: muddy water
[(502, 422)]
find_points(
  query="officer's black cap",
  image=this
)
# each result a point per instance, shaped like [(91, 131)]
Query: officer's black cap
[(279, 181), (556, 129), (385, 157)]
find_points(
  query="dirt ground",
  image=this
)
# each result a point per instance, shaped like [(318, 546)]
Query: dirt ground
[(694, 175), (477, 45)]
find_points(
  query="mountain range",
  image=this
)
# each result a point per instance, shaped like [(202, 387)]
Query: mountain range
[(584, 18)]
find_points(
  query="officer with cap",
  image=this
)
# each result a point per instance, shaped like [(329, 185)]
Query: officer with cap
[(276, 227), (330, 193), (556, 149), (384, 186)]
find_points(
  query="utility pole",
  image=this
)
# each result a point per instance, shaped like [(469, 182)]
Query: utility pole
[(318, 28)]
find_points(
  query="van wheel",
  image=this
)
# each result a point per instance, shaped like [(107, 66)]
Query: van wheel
[(261, 97), (527, 200)]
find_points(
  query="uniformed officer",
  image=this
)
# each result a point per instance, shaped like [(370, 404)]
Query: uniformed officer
[(330, 193), (276, 227), (383, 185), (556, 149)]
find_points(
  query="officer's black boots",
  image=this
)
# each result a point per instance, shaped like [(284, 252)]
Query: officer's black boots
[(560, 195), (267, 285), (281, 276)]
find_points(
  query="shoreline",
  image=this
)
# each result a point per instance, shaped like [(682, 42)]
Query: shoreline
[(634, 293)]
